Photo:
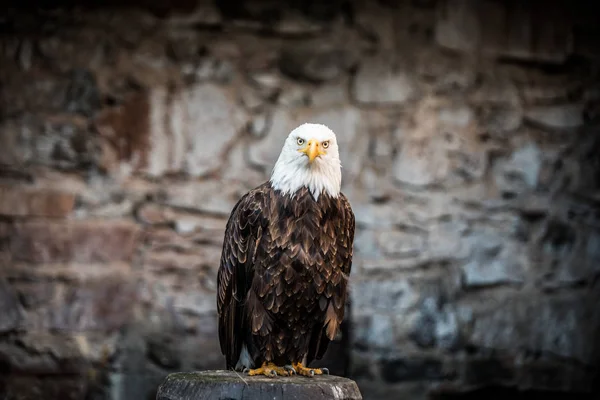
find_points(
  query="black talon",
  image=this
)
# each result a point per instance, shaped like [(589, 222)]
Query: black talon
[(290, 369), (325, 371), (312, 372), (245, 370), (273, 373)]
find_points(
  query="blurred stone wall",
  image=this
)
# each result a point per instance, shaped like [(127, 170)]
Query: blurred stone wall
[(469, 134)]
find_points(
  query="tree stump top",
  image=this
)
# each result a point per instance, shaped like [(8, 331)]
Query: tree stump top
[(228, 385)]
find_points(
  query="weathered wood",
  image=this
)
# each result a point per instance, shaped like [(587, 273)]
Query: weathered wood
[(227, 385)]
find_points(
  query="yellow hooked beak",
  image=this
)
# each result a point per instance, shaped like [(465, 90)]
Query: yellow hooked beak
[(312, 150)]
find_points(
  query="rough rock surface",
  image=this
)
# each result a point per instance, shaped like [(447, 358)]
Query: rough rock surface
[(469, 153), (217, 385)]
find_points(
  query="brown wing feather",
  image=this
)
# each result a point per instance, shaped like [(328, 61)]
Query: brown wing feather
[(342, 240), (236, 270)]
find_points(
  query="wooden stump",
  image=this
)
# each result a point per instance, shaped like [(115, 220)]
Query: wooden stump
[(227, 385)]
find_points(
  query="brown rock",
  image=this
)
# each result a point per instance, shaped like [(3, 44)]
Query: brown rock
[(20, 201), (103, 305), (153, 214), (43, 276), (127, 129), (73, 241)]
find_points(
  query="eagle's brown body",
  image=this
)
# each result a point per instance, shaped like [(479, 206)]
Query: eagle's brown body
[(283, 278)]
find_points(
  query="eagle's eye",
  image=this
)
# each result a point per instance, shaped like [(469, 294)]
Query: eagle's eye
[(325, 144), (300, 141)]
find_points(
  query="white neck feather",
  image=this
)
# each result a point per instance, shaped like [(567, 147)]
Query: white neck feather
[(292, 173)]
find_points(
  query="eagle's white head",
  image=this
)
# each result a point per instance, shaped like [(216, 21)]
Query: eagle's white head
[(310, 157)]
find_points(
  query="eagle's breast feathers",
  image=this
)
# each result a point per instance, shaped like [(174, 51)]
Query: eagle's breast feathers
[(283, 278)]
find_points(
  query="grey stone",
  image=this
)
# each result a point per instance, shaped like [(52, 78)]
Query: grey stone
[(330, 94), (213, 385), (412, 369), (445, 241), (264, 153), (294, 25), (293, 96), (436, 325), (497, 91), (191, 130), (83, 95), (379, 215), (260, 125), (377, 81), (12, 313), (164, 352), (392, 296), (499, 121), (560, 325), (205, 13), (366, 245), (212, 69), (447, 73), (250, 99), (484, 272), (46, 353), (213, 123), (268, 84), (520, 172), (401, 244), (315, 61), (566, 116), (420, 163), (493, 262), (457, 26), (463, 26), (61, 143), (429, 158), (373, 331)]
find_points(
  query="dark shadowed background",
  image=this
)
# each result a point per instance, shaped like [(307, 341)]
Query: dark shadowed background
[(469, 131)]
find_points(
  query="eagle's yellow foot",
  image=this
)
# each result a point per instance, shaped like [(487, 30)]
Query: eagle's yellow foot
[(271, 370), (302, 370)]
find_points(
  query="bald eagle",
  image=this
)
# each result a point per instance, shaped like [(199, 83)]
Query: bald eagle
[(287, 254)]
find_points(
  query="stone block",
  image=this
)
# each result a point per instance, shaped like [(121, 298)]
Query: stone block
[(494, 260), (73, 241), (103, 305), (412, 369), (556, 117), (37, 387), (42, 353), (12, 313), (562, 326), (216, 197), (436, 325), (22, 201), (316, 61), (379, 82), (441, 147), (385, 295), (58, 141), (163, 132), (487, 27), (218, 384)]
